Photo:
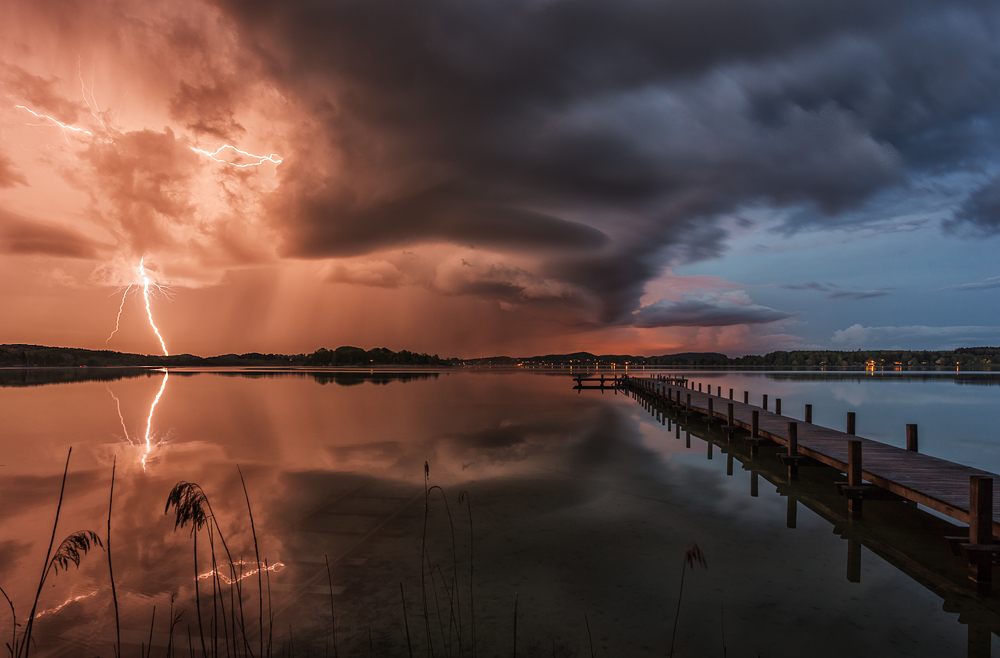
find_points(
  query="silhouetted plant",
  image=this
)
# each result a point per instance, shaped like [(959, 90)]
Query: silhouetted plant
[(72, 549), (692, 556)]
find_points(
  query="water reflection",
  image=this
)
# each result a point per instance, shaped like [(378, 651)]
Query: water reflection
[(581, 503)]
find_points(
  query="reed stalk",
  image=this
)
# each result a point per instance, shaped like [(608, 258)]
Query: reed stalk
[(256, 551), (26, 640), (333, 614), (111, 572)]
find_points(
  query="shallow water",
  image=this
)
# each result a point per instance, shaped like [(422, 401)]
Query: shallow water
[(582, 504)]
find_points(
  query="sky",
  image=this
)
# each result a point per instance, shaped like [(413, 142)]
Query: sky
[(474, 177)]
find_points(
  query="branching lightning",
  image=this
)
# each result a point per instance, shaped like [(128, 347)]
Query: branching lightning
[(146, 282), (260, 159), (274, 568), (149, 420), (59, 123), (118, 320), (120, 417)]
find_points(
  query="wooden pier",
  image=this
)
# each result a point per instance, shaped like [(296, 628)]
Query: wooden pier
[(874, 470)]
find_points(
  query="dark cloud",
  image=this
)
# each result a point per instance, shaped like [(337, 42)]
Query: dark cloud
[(207, 109), (608, 137), (980, 211), (836, 292), (705, 313), (40, 94), (19, 235), (9, 173), (859, 294), (337, 227), (143, 185)]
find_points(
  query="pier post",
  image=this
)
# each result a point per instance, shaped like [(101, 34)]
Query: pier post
[(793, 449), (777, 406), (746, 397), (854, 560), (729, 422), (809, 413), (711, 413), (720, 391), (730, 394), (709, 449), (981, 531), (764, 405), (687, 407), (729, 463), (792, 513), (850, 422), (854, 475), (754, 423), (911, 438), (687, 439), (753, 484), (699, 387), (677, 430)]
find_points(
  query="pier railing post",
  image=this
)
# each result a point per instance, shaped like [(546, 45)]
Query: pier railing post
[(850, 422), (730, 425), (793, 449), (854, 475), (777, 406), (730, 394), (809, 413), (911, 438), (981, 530), (746, 397), (764, 405), (711, 413), (720, 391)]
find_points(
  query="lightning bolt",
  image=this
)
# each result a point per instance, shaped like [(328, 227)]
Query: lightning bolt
[(149, 420), (59, 123), (120, 417), (146, 282), (274, 568), (261, 159), (118, 320)]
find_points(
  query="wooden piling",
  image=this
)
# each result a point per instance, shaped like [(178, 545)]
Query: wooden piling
[(854, 475), (711, 413), (854, 560), (911, 438), (746, 397), (980, 531), (777, 406), (793, 450), (764, 404), (809, 413), (754, 423), (850, 422), (730, 394), (792, 512)]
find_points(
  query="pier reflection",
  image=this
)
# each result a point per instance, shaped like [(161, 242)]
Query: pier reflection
[(900, 532)]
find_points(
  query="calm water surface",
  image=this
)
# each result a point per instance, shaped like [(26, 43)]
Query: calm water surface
[(582, 506)]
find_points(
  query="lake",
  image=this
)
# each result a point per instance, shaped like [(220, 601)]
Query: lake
[(554, 520)]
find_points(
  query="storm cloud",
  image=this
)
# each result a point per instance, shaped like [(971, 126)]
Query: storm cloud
[(610, 137)]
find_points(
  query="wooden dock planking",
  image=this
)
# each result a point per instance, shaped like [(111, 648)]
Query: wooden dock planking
[(936, 483)]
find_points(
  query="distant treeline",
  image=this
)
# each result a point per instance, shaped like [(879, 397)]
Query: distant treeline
[(966, 356), (69, 357)]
